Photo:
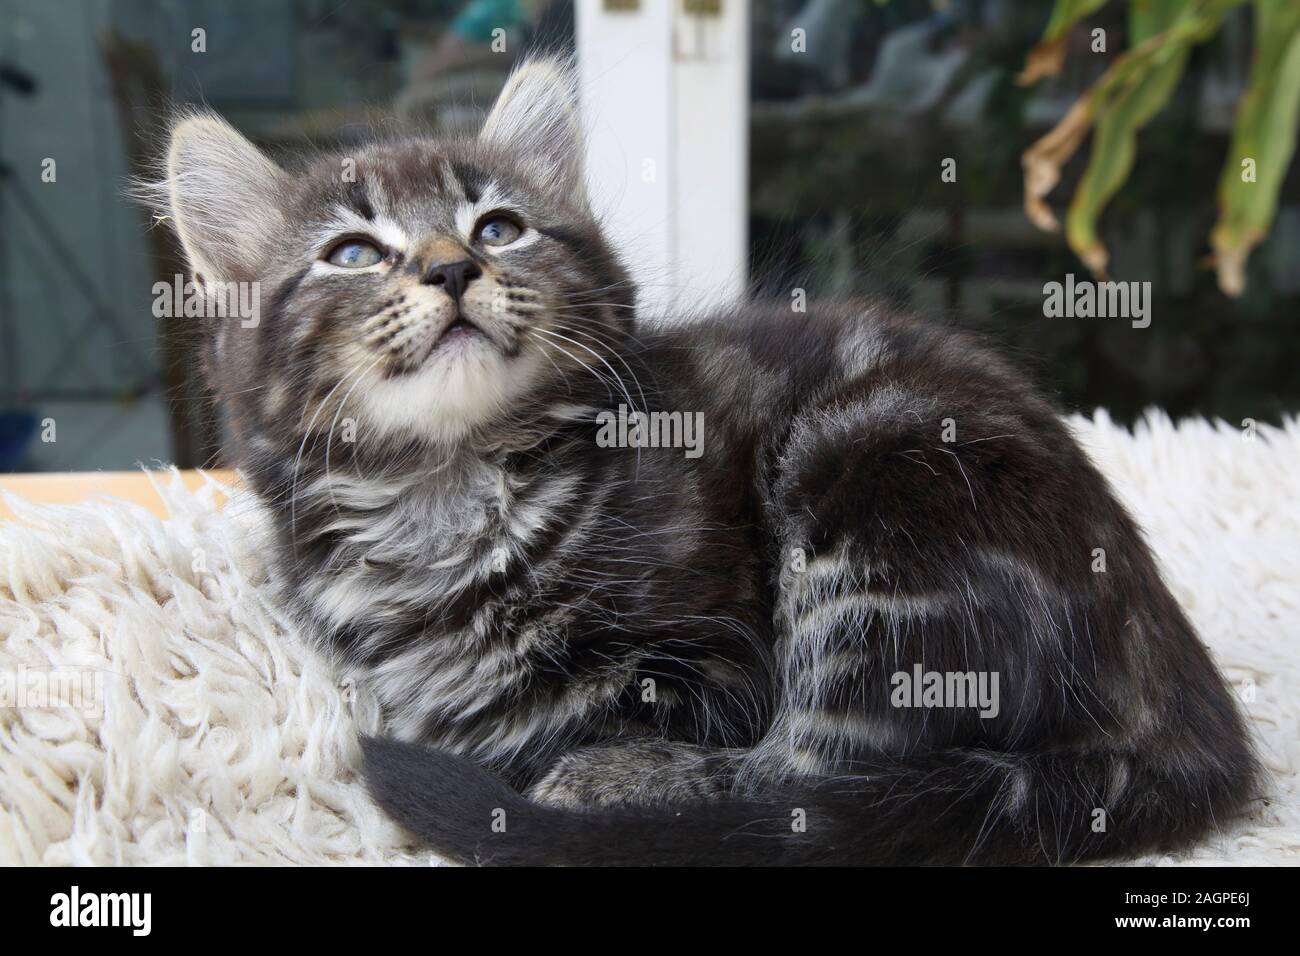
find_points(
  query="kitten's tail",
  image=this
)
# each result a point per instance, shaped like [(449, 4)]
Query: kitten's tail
[(959, 807)]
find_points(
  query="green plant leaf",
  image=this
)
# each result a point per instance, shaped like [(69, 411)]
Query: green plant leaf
[(1265, 135), (1136, 86), (1131, 104)]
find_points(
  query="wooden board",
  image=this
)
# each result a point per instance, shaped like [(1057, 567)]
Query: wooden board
[(75, 487)]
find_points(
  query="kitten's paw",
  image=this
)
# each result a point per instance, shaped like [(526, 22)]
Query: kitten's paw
[(563, 786)]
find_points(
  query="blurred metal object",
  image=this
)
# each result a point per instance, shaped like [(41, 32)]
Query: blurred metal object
[(17, 79), (698, 32)]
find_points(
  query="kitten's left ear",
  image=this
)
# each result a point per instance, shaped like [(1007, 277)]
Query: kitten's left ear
[(536, 119)]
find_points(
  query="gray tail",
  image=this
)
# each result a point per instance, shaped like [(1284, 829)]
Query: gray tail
[(944, 808)]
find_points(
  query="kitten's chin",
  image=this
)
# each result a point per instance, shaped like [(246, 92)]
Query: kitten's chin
[(462, 385)]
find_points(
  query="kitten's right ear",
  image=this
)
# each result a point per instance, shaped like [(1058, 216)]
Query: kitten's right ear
[(536, 118), (221, 193)]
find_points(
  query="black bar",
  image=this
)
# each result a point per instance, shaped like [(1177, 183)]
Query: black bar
[(444, 904)]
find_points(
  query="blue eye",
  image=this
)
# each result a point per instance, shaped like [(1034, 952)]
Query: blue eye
[(354, 254), (499, 231)]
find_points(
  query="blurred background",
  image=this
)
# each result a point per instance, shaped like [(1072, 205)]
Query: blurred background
[(728, 161)]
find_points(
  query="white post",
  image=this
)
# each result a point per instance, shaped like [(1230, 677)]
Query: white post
[(711, 168), (665, 105)]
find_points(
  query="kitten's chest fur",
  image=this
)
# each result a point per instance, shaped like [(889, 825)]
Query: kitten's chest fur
[(496, 606)]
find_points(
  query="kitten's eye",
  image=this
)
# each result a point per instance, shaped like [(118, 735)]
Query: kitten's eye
[(498, 231), (354, 254)]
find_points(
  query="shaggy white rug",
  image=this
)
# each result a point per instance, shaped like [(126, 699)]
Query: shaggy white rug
[(204, 732)]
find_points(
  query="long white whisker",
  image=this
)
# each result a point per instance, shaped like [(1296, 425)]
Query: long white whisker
[(293, 479), (330, 437)]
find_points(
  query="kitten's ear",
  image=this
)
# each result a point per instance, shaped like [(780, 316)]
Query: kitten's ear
[(222, 193), (536, 119)]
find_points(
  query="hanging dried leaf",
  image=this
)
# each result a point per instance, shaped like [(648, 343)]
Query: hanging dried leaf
[(1047, 58), (1043, 160)]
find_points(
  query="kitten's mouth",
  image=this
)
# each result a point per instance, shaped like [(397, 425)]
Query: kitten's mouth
[(459, 337), (462, 327), (459, 329)]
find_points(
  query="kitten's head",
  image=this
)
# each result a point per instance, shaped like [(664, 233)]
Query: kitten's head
[(432, 288)]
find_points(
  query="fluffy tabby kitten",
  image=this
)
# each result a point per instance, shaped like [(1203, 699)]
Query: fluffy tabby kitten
[(592, 654)]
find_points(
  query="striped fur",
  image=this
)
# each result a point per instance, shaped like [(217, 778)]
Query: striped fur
[(645, 657)]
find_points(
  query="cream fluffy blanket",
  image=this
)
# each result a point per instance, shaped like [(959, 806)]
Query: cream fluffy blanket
[(203, 732)]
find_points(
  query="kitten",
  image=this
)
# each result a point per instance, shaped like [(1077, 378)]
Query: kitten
[(867, 624)]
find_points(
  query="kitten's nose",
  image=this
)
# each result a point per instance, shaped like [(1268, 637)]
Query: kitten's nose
[(453, 276)]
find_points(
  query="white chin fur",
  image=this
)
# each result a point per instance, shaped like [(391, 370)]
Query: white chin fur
[(466, 386)]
